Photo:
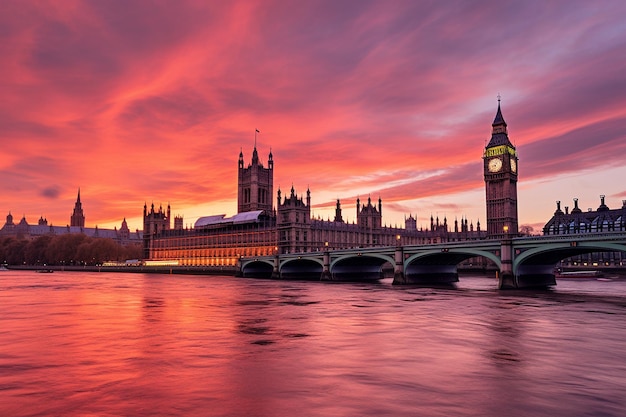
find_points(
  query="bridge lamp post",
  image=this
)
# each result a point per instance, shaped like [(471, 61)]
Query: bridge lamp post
[(397, 240)]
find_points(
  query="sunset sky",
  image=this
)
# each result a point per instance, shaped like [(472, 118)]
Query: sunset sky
[(151, 101)]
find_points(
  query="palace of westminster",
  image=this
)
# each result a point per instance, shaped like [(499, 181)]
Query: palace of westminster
[(260, 229)]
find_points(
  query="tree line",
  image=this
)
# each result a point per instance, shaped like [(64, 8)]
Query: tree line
[(69, 249)]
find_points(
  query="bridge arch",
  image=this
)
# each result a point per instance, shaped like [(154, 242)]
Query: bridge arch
[(359, 267), (305, 268), (257, 268), (537, 264), (440, 265)]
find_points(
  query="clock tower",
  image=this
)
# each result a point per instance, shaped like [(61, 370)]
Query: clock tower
[(500, 170)]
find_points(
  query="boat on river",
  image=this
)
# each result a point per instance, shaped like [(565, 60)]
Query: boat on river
[(579, 274)]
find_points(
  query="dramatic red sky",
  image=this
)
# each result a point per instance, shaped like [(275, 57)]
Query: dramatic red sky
[(151, 101)]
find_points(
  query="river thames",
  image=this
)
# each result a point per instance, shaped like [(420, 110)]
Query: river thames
[(100, 344)]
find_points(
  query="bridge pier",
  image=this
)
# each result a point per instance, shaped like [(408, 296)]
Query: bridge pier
[(506, 278), (326, 275), (276, 269), (398, 270)]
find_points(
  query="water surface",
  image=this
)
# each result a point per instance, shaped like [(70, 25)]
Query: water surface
[(96, 344)]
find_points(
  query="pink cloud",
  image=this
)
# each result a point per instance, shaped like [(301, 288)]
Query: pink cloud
[(132, 103)]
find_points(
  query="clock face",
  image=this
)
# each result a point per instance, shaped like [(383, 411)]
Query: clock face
[(495, 165), (513, 165)]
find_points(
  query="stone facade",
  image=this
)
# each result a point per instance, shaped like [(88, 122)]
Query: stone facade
[(500, 171), (260, 229), (603, 219)]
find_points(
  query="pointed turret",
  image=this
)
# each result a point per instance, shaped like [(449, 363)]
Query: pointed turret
[(78, 217), (338, 216), (499, 119), (499, 133), (255, 157)]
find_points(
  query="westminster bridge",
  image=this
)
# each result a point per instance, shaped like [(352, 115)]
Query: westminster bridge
[(521, 262)]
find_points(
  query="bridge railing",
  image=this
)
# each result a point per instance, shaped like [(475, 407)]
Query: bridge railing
[(574, 236)]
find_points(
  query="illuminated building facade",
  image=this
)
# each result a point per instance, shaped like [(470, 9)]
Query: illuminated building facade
[(259, 229), (500, 171), (218, 240)]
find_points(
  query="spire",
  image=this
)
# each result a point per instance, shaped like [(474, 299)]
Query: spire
[(499, 134), (499, 120), (78, 198), (270, 160), (255, 154)]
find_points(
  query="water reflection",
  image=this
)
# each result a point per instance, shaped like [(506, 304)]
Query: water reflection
[(141, 345)]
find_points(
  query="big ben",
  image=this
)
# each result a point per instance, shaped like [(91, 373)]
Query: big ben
[(500, 170)]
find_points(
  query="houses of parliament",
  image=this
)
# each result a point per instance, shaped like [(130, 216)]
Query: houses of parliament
[(259, 228)]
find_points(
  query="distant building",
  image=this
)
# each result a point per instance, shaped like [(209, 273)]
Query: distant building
[(24, 230), (78, 217), (578, 221)]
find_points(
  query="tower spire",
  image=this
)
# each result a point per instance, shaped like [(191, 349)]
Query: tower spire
[(499, 133), (499, 119), (255, 154)]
